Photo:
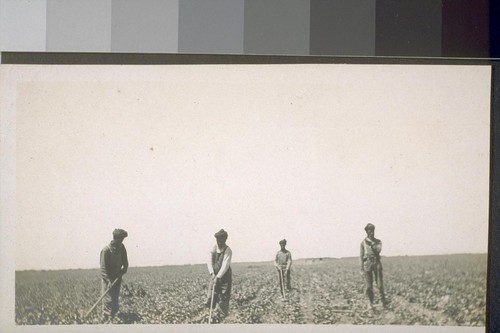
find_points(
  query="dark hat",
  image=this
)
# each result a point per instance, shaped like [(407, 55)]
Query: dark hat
[(369, 226), (283, 241), (119, 233), (221, 234)]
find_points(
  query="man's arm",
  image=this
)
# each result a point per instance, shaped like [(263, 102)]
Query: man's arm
[(209, 263), (361, 255), (125, 261), (289, 260), (378, 247), (104, 268)]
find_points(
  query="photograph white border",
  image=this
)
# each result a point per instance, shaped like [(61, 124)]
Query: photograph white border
[(10, 76)]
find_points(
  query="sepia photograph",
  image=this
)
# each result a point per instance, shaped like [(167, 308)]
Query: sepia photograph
[(327, 196)]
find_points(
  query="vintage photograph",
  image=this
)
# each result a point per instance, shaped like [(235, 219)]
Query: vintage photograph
[(247, 194)]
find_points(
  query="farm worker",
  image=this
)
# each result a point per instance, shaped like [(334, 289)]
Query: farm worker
[(371, 266), (283, 262), (114, 263), (219, 267)]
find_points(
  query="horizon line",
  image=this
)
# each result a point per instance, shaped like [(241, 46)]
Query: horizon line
[(253, 262)]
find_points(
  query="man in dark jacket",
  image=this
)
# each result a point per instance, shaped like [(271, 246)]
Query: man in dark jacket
[(114, 263), (371, 266)]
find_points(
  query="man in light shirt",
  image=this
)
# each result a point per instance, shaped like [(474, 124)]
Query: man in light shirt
[(283, 262), (371, 266), (219, 267)]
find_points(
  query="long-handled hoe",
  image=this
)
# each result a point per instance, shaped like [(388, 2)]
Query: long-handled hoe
[(211, 302), (100, 298)]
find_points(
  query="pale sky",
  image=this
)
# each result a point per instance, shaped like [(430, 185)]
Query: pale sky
[(310, 153)]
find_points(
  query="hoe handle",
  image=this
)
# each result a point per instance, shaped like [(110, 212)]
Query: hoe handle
[(100, 298), (211, 301)]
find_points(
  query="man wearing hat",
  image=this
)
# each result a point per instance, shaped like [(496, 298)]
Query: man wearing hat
[(371, 266), (219, 267), (114, 263), (283, 262)]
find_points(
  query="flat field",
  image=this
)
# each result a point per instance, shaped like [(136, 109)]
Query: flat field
[(426, 290)]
